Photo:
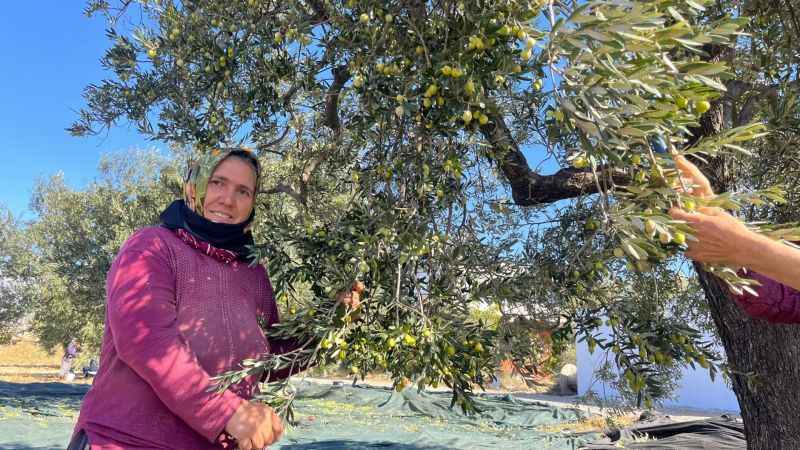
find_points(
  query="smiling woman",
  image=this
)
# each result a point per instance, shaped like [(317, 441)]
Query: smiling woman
[(229, 198), (183, 308), (227, 195)]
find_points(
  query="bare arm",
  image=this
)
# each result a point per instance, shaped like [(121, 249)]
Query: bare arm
[(772, 259)]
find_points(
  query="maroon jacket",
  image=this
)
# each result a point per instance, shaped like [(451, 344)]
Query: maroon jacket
[(175, 317), (776, 302)]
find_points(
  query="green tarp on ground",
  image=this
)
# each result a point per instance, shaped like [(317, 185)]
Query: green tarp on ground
[(39, 416), (345, 417)]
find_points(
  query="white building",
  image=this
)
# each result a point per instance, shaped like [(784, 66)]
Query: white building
[(696, 390)]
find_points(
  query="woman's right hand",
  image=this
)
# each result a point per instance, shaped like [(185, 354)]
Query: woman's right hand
[(351, 299), (693, 182), (254, 426)]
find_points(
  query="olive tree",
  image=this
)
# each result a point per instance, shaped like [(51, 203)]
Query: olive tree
[(16, 276), (416, 142), (77, 233)]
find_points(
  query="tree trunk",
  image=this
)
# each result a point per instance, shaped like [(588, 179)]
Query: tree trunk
[(763, 360)]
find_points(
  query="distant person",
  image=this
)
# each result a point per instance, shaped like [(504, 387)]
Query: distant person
[(70, 353), (90, 370), (723, 239), (183, 305)]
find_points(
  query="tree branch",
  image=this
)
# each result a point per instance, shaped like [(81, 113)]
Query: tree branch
[(282, 188), (331, 120), (737, 89), (267, 147), (340, 77), (416, 9), (320, 12), (286, 101), (529, 188)]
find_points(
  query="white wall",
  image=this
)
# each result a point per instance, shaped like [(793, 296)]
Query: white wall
[(696, 390)]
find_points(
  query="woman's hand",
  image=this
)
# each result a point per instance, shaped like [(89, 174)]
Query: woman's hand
[(254, 426), (719, 237), (351, 299), (722, 239), (693, 182)]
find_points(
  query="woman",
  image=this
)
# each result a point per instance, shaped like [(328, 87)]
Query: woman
[(723, 239), (70, 353), (184, 305)]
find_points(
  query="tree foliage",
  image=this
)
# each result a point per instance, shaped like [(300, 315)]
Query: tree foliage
[(16, 270), (76, 235), (413, 141)]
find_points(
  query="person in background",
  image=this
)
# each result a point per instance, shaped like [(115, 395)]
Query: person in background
[(184, 305), (724, 239), (90, 369), (70, 353)]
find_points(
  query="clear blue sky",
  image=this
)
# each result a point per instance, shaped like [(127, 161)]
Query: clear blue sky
[(50, 52)]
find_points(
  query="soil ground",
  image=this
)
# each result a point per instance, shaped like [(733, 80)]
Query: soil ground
[(26, 362)]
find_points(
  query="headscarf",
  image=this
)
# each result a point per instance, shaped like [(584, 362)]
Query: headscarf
[(189, 221), (200, 170)]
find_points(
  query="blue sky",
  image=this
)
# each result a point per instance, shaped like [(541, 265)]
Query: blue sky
[(50, 52)]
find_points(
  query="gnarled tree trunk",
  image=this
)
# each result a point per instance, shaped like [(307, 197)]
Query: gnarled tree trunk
[(764, 360)]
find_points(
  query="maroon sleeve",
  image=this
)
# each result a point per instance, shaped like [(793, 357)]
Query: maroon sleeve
[(776, 302), (271, 317), (143, 317)]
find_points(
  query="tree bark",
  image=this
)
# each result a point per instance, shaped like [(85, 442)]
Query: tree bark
[(529, 188), (765, 373), (764, 358)]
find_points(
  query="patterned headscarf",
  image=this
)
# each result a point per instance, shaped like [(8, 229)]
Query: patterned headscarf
[(203, 166)]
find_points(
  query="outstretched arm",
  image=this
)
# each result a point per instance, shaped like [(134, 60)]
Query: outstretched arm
[(349, 299), (723, 239)]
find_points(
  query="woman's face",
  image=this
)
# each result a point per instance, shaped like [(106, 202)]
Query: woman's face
[(231, 192)]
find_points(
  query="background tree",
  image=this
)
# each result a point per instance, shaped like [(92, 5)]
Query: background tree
[(76, 235), (404, 128), (16, 276)]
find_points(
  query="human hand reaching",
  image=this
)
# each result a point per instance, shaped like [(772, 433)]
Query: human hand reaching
[(693, 181), (720, 238), (352, 298), (255, 426)]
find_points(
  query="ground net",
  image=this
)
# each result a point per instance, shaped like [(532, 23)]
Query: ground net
[(40, 416), (345, 417)]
